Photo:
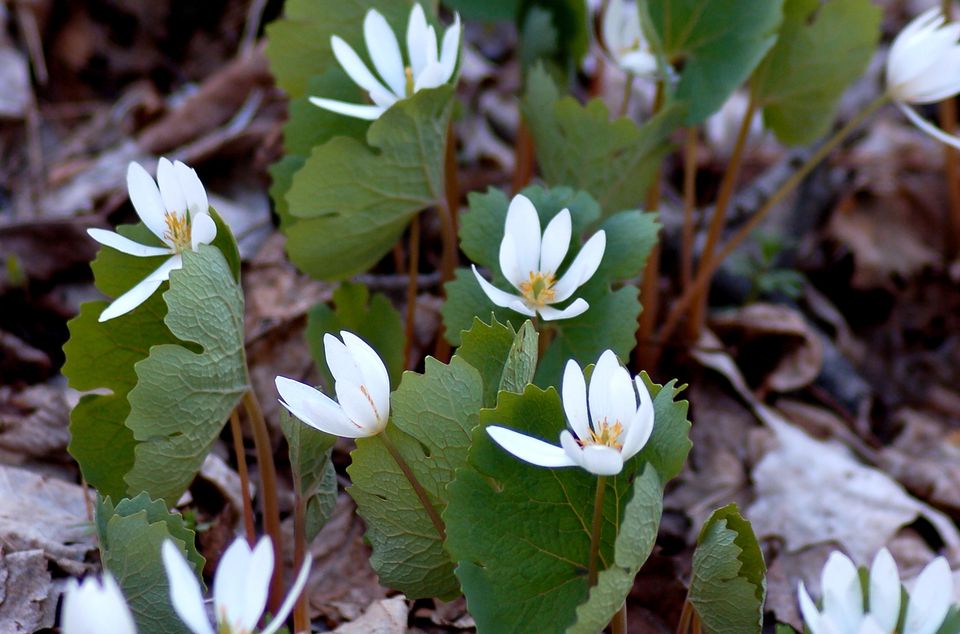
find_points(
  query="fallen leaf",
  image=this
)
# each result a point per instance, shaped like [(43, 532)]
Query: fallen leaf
[(27, 599), (387, 616)]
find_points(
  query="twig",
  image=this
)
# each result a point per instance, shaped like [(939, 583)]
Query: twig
[(238, 450), (252, 25)]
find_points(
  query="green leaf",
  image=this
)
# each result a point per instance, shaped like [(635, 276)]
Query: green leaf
[(521, 360), (578, 146), (485, 10), (554, 32), (432, 416), (517, 576), (356, 199), (375, 321), (783, 628), (718, 44), (130, 536), (728, 584), (631, 236), (313, 473), (638, 534), (184, 395), (822, 48), (951, 624), (488, 348)]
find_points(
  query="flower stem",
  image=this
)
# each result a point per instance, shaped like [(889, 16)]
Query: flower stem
[(627, 92), (708, 268), (951, 163), (238, 450), (301, 618), (268, 483), (422, 494), (596, 529), (413, 259), (523, 158), (619, 623), (448, 212), (685, 618), (689, 204)]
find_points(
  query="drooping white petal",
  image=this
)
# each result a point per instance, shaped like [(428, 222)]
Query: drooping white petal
[(575, 309), (556, 242), (193, 190), (146, 200), (600, 397), (523, 226), (928, 127), (431, 77), (811, 615), (125, 245), (202, 230), (375, 375), (357, 111), (95, 607), (384, 51), (638, 433), (184, 590), (884, 593), (170, 191), (529, 449), (358, 71), (842, 594), (417, 40), (930, 599), (291, 598), (450, 49), (131, 299), (315, 408), (574, 394), (583, 266), (502, 298), (601, 460)]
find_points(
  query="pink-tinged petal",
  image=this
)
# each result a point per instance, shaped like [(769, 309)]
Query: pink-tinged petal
[(357, 405), (430, 77), (574, 394), (502, 298), (184, 590), (885, 590), (556, 242), (419, 40), (193, 190), (600, 395), (287, 607), (640, 428), (357, 111), (125, 245), (315, 408), (341, 363), (146, 200), (170, 190), (583, 266), (384, 51), (575, 309), (131, 299), (203, 230), (523, 225), (930, 600), (375, 375), (928, 127), (602, 461), (256, 585), (450, 49), (354, 67), (528, 449)]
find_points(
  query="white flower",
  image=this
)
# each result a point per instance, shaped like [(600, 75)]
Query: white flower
[(623, 39), (93, 607), (362, 386), (924, 67), (178, 213), (530, 261), (240, 588), (426, 68), (611, 430), (843, 606)]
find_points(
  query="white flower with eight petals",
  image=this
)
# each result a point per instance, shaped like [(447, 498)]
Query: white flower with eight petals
[(428, 67), (530, 261), (177, 213), (361, 383), (93, 607), (607, 432)]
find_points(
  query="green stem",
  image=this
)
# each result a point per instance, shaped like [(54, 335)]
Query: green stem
[(422, 494), (627, 91), (596, 529)]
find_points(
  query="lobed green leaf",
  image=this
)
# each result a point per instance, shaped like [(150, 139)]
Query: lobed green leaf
[(488, 348)]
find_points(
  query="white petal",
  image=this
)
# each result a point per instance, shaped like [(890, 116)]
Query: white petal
[(601, 405), (256, 584), (146, 200), (417, 40), (375, 375), (162, 272), (930, 599), (556, 242), (639, 63), (202, 230), (638, 433), (170, 190), (811, 615), (450, 49), (291, 599), (502, 298), (575, 309), (613, 26), (870, 626), (928, 127), (315, 408), (357, 111), (885, 590), (193, 190), (842, 594), (623, 398), (357, 406), (600, 460), (512, 265), (528, 449), (229, 585), (184, 590), (583, 266), (358, 71), (431, 77), (131, 299), (574, 394), (125, 245), (93, 607), (384, 51), (523, 226), (341, 363)]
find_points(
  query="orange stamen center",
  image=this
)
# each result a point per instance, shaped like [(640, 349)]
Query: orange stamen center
[(538, 290)]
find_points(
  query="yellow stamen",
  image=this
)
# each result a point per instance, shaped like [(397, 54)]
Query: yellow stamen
[(538, 290), (178, 231), (608, 436)]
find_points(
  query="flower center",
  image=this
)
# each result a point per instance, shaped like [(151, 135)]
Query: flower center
[(538, 290), (178, 231), (605, 435), (408, 73)]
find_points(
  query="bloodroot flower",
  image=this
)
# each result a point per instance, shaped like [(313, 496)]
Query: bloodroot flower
[(95, 607), (362, 386), (177, 213), (530, 261), (426, 68), (607, 432), (623, 39)]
